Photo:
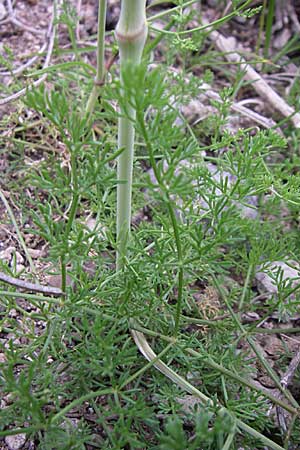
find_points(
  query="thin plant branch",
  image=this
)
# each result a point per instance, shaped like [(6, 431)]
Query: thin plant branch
[(239, 107), (281, 416), (32, 297), (276, 330), (79, 401), (100, 74), (287, 444), (219, 21), (258, 118)]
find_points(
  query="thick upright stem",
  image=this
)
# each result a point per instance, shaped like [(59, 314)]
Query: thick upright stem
[(131, 34)]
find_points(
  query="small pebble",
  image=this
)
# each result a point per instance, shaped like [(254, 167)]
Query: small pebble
[(15, 442), (266, 282), (19, 268)]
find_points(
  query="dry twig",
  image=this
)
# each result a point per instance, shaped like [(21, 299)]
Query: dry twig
[(286, 380), (51, 37), (27, 286), (241, 109), (281, 415), (12, 18), (227, 46), (238, 107)]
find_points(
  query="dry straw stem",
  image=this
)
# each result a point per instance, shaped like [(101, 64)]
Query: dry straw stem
[(227, 46), (151, 356)]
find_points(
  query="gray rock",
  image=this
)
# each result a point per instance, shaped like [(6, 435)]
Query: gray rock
[(265, 277), (217, 175), (15, 442)]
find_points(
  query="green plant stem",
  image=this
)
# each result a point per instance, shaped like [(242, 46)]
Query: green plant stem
[(245, 288), (147, 366), (129, 31), (25, 430), (131, 34), (180, 264), (289, 432), (261, 27), (229, 440), (72, 214), (269, 23), (241, 380), (205, 322), (100, 74), (154, 43), (272, 308), (172, 215), (73, 40), (63, 272), (80, 400), (71, 218), (291, 45), (34, 297), (169, 10), (54, 301), (60, 67), (124, 188)]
